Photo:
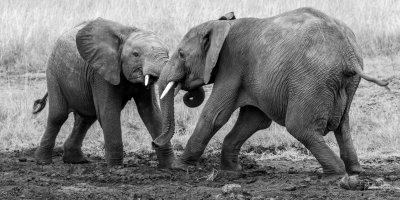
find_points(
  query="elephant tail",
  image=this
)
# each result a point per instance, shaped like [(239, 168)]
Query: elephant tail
[(357, 69), (355, 66), (39, 104)]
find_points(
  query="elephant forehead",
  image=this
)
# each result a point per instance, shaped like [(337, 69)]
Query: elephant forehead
[(149, 38), (191, 34), (148, 44), (197, 32), (190, 42)]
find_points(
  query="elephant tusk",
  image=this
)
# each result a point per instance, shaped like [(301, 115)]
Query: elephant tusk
[(169, 86), (177, 89), (146, 80)]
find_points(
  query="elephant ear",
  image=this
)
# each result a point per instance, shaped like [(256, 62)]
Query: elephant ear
[(228, 16), (213, 41), (99, 44)]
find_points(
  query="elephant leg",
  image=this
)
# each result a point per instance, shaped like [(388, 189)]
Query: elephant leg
[(250, 120), (113, 145), (72, 146), (303, 123), (347, 151), (215, 114), (150, 113), (108, 104), (58, 114)]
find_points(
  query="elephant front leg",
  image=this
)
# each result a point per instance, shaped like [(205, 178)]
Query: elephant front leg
[(111, 123), (108, 105), (113, 142), (151, 116), (250, 120), (215, 114), (347, 151)]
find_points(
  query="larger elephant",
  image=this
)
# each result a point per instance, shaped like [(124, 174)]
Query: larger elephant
[(299, 69), (93, 71)]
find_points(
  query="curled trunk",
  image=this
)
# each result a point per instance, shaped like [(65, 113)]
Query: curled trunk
[(194, 98)]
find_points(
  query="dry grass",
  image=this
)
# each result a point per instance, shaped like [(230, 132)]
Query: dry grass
[(30, 27)]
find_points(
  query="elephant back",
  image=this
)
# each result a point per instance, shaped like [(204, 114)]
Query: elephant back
[(65, 53), (66, 67)]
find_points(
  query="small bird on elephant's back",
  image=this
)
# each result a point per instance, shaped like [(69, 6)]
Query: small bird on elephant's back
[(93, 71)]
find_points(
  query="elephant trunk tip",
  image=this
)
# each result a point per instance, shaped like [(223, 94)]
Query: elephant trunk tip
[(160, 141), (39, 104)]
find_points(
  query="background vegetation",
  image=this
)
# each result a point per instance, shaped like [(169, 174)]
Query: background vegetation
[(28, 29)]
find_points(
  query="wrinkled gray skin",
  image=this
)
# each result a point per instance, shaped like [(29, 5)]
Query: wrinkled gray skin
[(93, 71), (299, 69)]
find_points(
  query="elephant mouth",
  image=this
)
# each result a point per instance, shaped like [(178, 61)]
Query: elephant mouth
[(136, 75), (192, 85)]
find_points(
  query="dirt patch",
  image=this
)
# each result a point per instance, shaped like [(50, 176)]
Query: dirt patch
[(21, 178)]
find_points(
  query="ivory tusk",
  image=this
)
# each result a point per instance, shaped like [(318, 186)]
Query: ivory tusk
[(177, 89), (146, 80), (169, 86)]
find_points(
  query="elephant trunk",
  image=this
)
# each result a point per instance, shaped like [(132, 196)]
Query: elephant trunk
[(168, 120), (171, 77), (194, 98), (171, 73), (154, 67)]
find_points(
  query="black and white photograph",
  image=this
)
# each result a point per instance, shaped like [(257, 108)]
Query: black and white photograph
[(199, 99)]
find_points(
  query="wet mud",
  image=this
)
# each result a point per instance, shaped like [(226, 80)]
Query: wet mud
[(22, 178)]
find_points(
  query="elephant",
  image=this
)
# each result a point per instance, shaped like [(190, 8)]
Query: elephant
[(93, 71), (299, 69)]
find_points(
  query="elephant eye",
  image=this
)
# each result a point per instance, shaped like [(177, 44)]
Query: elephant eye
[(181, 54), (136, 54)]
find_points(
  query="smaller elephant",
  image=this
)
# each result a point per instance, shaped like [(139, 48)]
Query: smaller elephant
[(93, 71)]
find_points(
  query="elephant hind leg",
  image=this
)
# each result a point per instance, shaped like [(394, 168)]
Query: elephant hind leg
[(58, 114), (347, 151), (250, 120), (307, 125), (72, 146), (343, 137)]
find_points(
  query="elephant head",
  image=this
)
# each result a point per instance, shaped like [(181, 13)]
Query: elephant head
[(190, 67), (110, 48)]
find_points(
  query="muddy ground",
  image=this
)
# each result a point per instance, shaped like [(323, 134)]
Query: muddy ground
[(22, 178)]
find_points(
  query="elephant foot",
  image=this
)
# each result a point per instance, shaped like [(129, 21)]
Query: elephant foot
[(74, 157), (43, 156), (334, 170), (332, 177), (165, 161), (165, 156), (114, 158), (230, 165), (355, 169), (353, 182), (179, 165)]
